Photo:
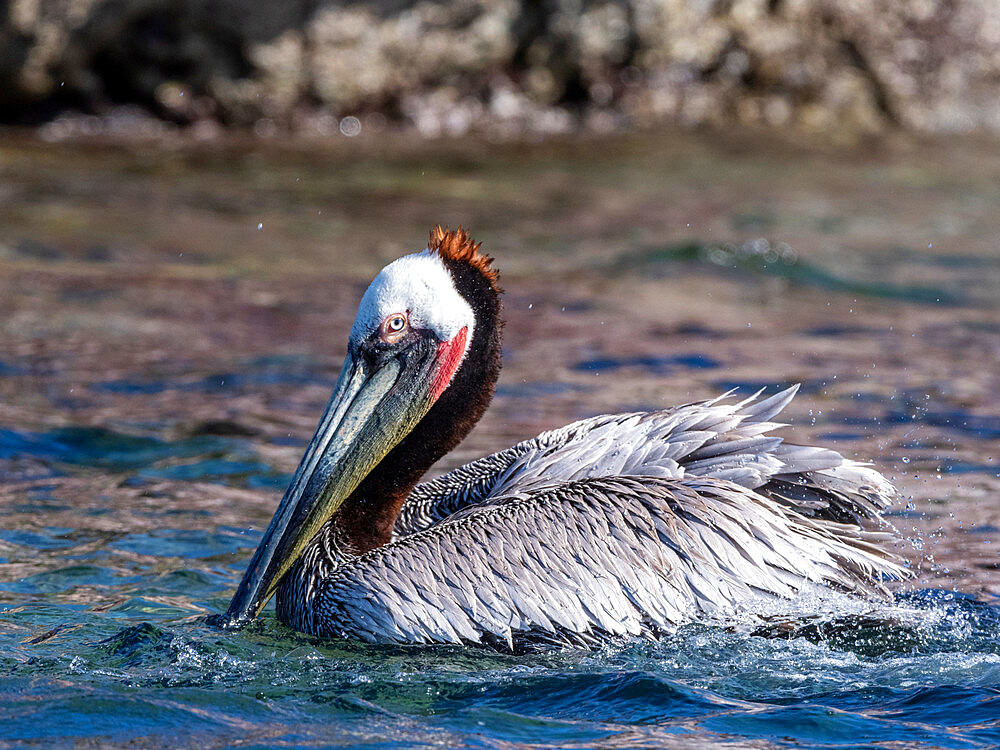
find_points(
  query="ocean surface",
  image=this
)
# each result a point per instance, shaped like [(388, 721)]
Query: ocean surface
[(173, 317)]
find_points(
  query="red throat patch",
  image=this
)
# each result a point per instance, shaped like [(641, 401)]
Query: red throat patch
[(449, 356)]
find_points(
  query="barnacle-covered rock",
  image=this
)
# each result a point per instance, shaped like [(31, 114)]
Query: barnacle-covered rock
[(835, 67)]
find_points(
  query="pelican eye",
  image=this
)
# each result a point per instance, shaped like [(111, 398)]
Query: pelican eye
[(393, 327)]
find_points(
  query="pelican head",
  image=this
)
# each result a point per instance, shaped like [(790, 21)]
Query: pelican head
[(413, 331)]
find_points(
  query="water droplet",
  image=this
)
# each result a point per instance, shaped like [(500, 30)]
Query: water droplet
[(260, 226), (350, 126), (906, 459)]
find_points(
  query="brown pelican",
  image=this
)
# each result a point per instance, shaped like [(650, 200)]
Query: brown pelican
[(625, 524)]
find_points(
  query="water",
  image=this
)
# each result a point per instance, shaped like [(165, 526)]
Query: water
[(170, 678), (172, 321)]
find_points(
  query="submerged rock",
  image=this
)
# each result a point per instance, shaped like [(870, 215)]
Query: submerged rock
[(509, 66)]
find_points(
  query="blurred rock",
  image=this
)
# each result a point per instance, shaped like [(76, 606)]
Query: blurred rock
[(840, 68)]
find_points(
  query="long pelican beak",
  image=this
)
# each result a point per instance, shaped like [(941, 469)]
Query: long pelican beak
[(378, 399)]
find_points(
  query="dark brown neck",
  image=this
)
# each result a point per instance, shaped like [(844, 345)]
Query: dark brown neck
[(367, 516)]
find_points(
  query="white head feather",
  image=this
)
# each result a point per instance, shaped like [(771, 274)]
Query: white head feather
[(420, 286)]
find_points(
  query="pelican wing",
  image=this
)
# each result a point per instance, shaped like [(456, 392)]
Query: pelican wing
[(597, 557), (729, 441), (435, 500), (475, 483)]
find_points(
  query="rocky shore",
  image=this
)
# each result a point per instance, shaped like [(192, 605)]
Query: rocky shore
[(835, 68)]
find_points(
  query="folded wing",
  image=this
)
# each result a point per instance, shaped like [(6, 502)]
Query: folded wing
[(591, 558), (729, 441)]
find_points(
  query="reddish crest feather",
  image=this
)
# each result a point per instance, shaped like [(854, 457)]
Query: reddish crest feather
[(457, 245)]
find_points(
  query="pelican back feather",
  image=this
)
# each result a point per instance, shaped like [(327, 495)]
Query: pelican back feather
[(591, 559)]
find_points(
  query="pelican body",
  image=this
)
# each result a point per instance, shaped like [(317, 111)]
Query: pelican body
[(617, 525)]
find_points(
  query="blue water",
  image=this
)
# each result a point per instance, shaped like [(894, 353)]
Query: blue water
[(173, 319), (104, 639), (146, 669)]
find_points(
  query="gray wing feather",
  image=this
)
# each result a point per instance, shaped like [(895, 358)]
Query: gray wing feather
[(590, 559), (711, 439)]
